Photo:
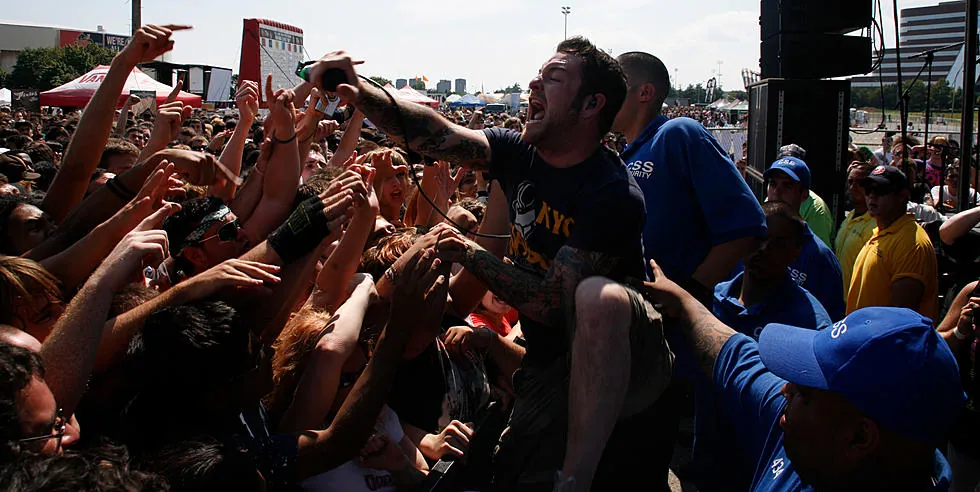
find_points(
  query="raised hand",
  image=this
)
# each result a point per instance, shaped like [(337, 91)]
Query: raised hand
[(176, 90), (370, 204), (420, 289), (170, 116), (463, 339), (218, 140), (232, 275), (324, 129), (146, 244), (247, 100), (355, 159), (282, 112), (664, 293), (340, 60), (306, 124), (967, 324), (454, 440), (450, 244), (149, 42)]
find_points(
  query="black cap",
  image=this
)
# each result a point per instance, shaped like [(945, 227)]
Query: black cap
[(886, 177)]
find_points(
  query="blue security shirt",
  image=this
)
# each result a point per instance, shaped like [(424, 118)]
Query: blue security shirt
[(752, 396), (695, 198), (818, 271), (717, 461), (790, 304)]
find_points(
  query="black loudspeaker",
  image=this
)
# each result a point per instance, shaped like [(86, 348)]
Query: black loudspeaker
[(814, 114), (805, 39), (814, 56), (824, 16)]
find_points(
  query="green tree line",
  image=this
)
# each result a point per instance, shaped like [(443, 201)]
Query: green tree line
[(943, 96), (47, 68)]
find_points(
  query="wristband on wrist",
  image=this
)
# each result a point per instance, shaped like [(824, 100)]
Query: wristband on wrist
[(290, 139), (959, 334), (303, 231)]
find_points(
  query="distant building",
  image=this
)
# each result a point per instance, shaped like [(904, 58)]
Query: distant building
[(20, 36), (416, 81), (460, 86), (399, 83), (924, 28), (444, 86)]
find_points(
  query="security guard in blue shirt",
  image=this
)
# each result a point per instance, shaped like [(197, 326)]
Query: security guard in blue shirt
[(701, 216)]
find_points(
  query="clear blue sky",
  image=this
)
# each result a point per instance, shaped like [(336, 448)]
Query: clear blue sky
[(493, 44)]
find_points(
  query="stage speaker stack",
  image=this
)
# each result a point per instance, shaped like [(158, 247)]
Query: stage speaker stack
[(803, 42)]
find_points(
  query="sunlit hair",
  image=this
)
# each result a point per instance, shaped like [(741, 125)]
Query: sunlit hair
[(383, 255), (23, 278), (293, 348)]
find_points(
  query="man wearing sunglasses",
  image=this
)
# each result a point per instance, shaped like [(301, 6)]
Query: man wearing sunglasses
[(203, 234), (897, 266)]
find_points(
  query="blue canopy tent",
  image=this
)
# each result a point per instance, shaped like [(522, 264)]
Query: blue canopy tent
[(467, 101)]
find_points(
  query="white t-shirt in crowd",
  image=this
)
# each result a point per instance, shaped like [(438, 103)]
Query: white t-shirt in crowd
[(935, 195), (351, 476)]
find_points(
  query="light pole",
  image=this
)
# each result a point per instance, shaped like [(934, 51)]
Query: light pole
[(565, 11)]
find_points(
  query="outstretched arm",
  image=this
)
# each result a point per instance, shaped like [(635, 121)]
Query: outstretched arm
[(280, 183), (705, 333), (69, 353), (959, 225), (247, 100), (427, 132), (349, 141), (85, 148)]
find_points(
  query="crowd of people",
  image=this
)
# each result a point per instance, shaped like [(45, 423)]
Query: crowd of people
[(709, 117), (283, 299)]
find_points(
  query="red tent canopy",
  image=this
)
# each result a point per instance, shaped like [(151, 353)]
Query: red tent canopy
[(76, 94)]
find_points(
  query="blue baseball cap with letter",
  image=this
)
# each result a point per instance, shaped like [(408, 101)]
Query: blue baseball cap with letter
[(889, 362), (794, 168)]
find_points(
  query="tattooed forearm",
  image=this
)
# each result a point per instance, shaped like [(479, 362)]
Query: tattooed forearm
[(706, 334), (548, 300), (427, 131), (526, 292)]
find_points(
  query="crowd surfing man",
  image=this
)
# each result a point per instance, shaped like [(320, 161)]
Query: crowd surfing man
[(575, 214), (226, 334)]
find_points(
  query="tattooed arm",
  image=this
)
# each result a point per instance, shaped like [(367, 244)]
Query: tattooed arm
[(428, 132), (705, 333), (545, 299)]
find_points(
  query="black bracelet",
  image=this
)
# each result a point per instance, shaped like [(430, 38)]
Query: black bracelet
[(290, 139), (119, 190)]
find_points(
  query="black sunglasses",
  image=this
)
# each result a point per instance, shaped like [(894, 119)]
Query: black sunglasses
[(227, 232)]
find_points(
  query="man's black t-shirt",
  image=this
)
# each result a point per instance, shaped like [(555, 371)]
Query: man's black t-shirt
[(593, 206)]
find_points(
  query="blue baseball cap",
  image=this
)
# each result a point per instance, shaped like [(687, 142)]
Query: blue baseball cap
[(794, 168), (889, 362)]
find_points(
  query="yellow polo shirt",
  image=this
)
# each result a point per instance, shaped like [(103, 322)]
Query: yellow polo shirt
[(903, 250), (853, 234)]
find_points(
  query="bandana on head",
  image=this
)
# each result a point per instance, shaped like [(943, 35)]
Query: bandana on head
[(206, 223)]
